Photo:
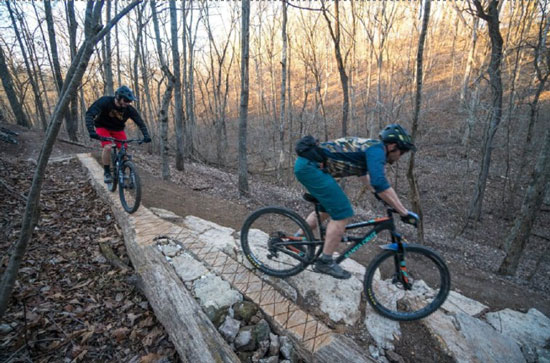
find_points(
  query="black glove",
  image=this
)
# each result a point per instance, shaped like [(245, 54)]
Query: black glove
[(94, 135), (146, 138), (411, 218)]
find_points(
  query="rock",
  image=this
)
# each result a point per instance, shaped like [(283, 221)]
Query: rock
[(166, 215), (530, 330), (245, 310), (261, 331), (374, 352), (217, 316), (244, 341), (263, 347), (170, 250), (272, 359), (456, 303), (384, 331), (187, 268), (213, 234), (469, 339), (229, 329), (245, 356), (5, 328), (393, 357), (211, 290), (287, 349), (274, 344), (339, 299)]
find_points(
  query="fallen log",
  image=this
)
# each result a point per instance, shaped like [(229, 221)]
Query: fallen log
[(192, 333)]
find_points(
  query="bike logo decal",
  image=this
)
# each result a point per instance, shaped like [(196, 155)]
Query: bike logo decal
[(368, 238)]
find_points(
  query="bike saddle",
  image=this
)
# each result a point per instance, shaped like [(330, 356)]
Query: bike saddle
[(310, 198)]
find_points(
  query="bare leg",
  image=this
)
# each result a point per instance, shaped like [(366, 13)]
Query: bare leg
[(335, 231), (106, 155)]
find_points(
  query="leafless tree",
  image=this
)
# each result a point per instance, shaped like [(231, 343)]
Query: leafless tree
[(413, 185), (492, 19), (7, 82), (243, 110), (93, 32)]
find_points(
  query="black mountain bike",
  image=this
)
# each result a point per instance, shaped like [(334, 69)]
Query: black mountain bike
[(125, 175), (404, 282)]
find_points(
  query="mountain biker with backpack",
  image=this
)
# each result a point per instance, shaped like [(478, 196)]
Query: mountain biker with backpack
[(319, 163), (109, 114)]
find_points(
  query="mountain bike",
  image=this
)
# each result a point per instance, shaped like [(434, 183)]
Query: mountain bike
[(124, 174), (404, 282)]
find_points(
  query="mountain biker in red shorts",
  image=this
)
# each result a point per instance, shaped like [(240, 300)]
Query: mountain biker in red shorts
[(109, 115)]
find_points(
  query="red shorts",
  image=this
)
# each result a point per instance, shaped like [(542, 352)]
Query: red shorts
[(121, 135)]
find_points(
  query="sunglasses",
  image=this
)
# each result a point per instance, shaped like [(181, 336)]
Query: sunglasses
[(126, 100)]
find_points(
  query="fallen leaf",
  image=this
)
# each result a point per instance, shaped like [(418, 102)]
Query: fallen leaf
[(120, 334)]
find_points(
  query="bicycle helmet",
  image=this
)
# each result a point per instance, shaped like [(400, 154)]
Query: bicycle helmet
[(125, 92), (395, 133)]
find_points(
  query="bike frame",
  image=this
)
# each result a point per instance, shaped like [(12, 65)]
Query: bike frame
[(378, 225), (121, 152)]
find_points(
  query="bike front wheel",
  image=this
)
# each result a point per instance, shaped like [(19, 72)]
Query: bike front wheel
[(407, 286), (112, 185), (130, 187), (270, 242)]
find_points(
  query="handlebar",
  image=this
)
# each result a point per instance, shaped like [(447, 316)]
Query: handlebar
[(138, 141)]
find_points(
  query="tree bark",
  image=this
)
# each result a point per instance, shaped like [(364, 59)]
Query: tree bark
[(178, 98), (413, 184), (243, 110), (534, 197), (16, 108), (93, 33), (32, 80), (335, 35), (495, 80), (282, 119), (163, 113)]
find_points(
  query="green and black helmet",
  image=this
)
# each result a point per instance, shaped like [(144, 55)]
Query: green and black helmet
[(395, 133), (126, 93)]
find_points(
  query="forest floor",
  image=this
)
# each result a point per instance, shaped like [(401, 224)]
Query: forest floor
[(70, 303)]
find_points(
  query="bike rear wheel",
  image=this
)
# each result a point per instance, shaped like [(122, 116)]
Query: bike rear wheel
[(130, 187), (424, 273), (267, 238), (112, 185)]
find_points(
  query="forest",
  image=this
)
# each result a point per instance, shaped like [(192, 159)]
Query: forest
[(234, 85)]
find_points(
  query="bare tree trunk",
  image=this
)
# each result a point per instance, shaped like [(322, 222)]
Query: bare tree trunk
[(178, 98), (243, 111), (470, 61), (496, 112), (534, 197), (93, 33), (283, 93), (163, 113), (32, 80), (71, 122), (17, 109), (335, 35), (107, 59), (413, 184)]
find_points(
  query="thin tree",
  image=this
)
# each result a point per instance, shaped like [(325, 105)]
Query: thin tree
[(413, 184), (335, 35), (282, 119), (32, 80), (178, 98), (534, 197), (243, 110), (93, 32), (107, 59), (163, 113), (495, 80), (71, 123), (7, 82)]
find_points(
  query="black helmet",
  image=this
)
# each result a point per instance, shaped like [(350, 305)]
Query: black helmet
[(125, 92), (395, 133)]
